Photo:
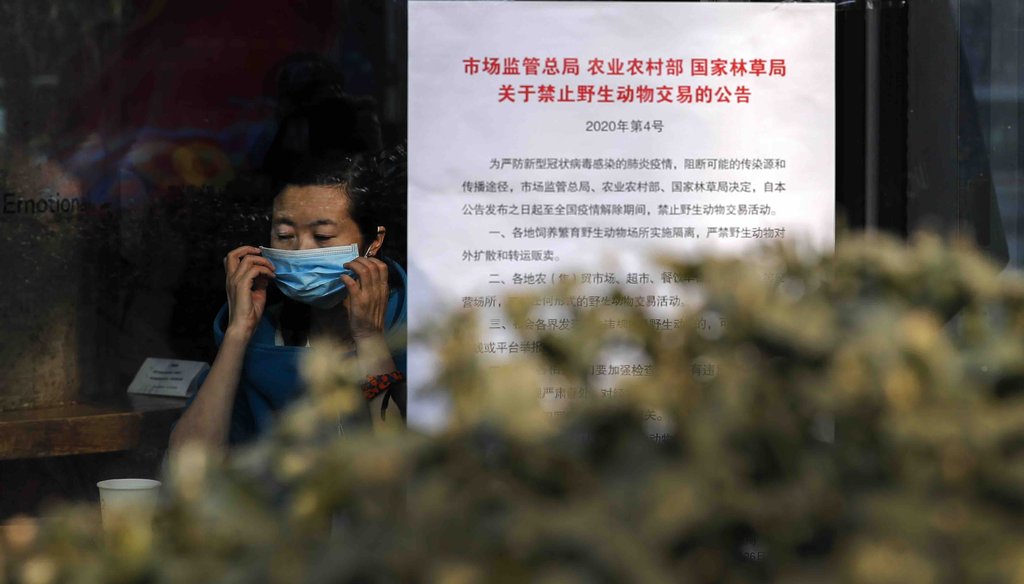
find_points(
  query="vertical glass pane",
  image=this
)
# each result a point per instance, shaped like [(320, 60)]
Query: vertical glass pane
[(991, 33)]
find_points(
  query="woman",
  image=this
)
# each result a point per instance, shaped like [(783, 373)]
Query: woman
[(328, 226)]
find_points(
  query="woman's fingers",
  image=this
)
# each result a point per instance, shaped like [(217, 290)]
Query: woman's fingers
[(381, 270), (252, 260), (247, 275), (250, 283), (350, 283), (372, 273), (235, 256), (363, 273), (366, 303), (248, 278)]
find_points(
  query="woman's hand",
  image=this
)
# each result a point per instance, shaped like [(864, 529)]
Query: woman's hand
[(367, 299), (247, 276)]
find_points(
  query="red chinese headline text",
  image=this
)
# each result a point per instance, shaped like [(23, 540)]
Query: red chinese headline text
[(618, 67)]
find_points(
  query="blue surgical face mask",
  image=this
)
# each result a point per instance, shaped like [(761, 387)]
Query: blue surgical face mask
[(312, 276)]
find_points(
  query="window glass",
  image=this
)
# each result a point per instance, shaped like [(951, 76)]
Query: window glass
[(991, 34)]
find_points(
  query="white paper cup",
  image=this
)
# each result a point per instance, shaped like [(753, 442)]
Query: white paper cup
[(121, 499)]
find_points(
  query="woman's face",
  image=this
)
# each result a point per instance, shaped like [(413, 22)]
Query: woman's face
[(311, 217)]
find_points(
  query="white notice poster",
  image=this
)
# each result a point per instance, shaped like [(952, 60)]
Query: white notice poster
[(572, 140)]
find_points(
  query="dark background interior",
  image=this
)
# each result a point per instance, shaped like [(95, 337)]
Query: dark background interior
[(164, 121)]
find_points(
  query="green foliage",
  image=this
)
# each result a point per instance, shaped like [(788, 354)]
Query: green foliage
[(912, 356)]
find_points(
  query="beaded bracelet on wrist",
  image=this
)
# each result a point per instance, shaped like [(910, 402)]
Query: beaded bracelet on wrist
[(377, 384)]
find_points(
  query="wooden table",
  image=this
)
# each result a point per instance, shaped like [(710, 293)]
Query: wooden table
[(140, 421)]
